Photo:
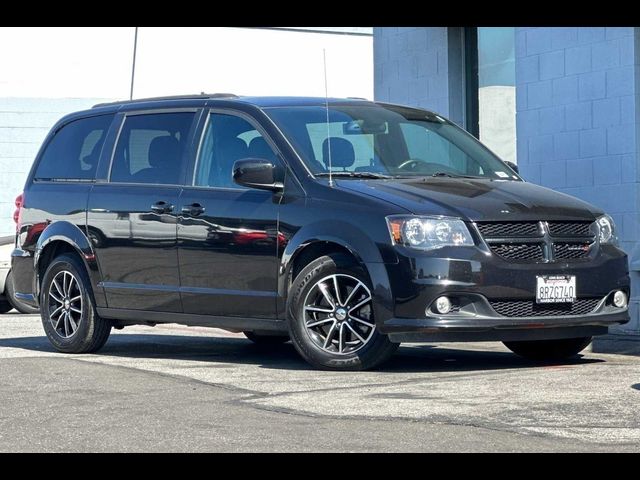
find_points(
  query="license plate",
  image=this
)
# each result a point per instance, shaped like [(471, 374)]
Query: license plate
[(555, 288)]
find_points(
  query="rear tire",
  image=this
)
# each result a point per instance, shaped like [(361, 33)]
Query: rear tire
[(68, 311), (266, 339), (542, 350), (19, 305), (339, 337)]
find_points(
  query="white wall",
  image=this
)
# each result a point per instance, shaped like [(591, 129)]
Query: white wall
[(48, 72), (498, 120), (251, 62), (56, 62)]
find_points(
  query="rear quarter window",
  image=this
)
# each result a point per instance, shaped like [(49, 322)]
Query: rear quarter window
[(74, 151)]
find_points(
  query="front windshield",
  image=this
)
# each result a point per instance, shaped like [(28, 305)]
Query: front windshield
[(376, 140)]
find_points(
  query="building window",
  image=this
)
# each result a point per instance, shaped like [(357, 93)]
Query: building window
[(497, 90)]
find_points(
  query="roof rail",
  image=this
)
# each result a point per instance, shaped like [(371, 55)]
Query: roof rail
[(195, 96)]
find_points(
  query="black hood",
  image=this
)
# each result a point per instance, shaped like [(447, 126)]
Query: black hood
[(476, 199)]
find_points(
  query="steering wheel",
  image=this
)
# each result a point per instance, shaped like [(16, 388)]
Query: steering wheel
[(426, 167), (410, 164)]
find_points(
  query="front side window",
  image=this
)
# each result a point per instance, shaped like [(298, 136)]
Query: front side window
[(385, 140), (74, 151), (151, 149), (228, 138)]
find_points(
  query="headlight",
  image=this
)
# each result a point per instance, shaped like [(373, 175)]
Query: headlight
[(607, 230), (427, 233)]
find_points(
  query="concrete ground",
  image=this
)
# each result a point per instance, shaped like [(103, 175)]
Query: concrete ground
[(174, 388)]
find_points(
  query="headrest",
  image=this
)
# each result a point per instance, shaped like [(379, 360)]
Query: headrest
[(163, 151), (342, 153), (94, 156)]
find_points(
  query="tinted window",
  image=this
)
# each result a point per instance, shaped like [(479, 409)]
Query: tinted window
[(390, 140), (74, 151), (362, 145), (427, 146), (151, 148), (228, 138)]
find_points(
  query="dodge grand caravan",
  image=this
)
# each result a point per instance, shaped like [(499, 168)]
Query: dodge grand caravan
[(343, 225)]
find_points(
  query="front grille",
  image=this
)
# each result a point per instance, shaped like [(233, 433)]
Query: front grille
[(570, 229), (518, 251), (529, 308), (526, 241), (509, 229), (571, 251)]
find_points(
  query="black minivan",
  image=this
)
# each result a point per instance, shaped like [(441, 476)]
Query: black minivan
[(343, 225)]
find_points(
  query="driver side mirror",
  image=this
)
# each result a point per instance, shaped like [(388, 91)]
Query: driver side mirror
[(512, 166), (258, 173)]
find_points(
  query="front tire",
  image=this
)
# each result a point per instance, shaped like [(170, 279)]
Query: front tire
[(68, 311), (544, 350), (331, 321)]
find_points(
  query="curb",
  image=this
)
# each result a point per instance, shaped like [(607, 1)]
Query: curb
[(619, 344)]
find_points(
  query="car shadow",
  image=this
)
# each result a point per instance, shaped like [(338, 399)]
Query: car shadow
[(216, 351)]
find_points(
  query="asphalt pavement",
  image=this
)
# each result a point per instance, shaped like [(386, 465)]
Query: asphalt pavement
[(176, 388)]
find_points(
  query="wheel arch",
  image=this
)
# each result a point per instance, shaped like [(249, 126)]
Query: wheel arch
[(322, 238), (65, 237)]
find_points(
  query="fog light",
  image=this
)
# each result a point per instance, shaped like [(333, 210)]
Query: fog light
[(620, 299), (443, 305)]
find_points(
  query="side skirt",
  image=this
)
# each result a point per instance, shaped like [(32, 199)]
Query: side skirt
[(142, 317)]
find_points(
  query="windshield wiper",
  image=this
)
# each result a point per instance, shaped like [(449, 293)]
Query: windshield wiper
[(453, 175), (354, 175)]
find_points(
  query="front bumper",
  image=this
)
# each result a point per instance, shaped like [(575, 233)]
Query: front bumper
[(483, 329), (479, 280)]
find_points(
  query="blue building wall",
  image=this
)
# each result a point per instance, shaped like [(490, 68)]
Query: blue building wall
[(419, 66), (576, 103), (578, 121)]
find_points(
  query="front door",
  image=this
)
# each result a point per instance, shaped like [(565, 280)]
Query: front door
[(227, 234), (131, 219)]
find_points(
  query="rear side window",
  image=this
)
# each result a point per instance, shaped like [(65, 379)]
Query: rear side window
[(151, 148), (74, 151)]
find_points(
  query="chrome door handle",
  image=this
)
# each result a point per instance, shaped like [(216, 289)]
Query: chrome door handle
[(194, 209), (161, 207)]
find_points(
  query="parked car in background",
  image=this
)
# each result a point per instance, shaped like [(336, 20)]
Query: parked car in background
[(6, 247), (8, 301), (344, 225)]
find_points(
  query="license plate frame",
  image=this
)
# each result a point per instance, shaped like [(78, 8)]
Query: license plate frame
[(556, 289)]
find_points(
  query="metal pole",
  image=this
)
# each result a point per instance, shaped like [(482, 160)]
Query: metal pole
[(133, 66)]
